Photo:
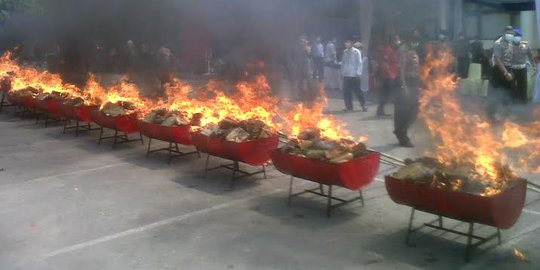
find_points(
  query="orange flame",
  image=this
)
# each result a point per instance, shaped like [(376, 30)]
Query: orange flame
[(250, 100), (520, 255)]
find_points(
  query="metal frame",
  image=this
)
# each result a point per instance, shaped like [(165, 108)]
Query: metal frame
[(328, 195), (118, 138), (4, 102), (173, 150), (78, 127), (49, 118), (235, 168), (471, 245)]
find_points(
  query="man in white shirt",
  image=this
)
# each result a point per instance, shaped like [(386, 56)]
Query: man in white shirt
[(351, 71), (318, 59)]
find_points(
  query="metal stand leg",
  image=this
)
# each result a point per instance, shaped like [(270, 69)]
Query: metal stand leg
[(329, 204), (440, 221), (148, 150), (289, 199), (499, 236), (77, 129), (362, 198), (170, 153), (65, 125), (469, 242), (2, 102), (236, 167), (100, 135), (264, 171), (410, 229), (321, 188), (115, 139), (206, 166), (140, 136)]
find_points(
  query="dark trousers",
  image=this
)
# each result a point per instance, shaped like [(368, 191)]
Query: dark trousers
[(318, 68), (352, 85), (463, 64), (406, 110), (385, 91), (519, 95), (505, 92)]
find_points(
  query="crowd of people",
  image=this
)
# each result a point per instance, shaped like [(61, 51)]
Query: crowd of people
[(394, 68), (395, 63)]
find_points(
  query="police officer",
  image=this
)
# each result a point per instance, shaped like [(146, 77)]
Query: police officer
[(502, 78), (522, 57)]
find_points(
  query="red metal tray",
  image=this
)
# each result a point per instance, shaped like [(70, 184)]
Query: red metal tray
[(255, 153), (176, 134), (500, 211), (124, 123), (80, 113), (49, 105), (5, 84), (354, 175), (21, 101)]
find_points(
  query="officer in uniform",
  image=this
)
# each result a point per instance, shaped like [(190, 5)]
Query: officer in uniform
[(522, 58)]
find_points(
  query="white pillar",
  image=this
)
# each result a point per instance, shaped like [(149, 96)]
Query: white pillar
[(529, 28), (443, 15), (458, 17)]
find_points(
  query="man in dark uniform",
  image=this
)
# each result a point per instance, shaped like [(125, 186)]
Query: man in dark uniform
[(509, 78), (502, 78), (407, 98), (522, 57)]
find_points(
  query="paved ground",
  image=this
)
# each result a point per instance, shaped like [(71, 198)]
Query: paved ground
[(67, 203)]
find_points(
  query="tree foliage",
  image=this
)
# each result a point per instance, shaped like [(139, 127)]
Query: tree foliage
[(10, 7)]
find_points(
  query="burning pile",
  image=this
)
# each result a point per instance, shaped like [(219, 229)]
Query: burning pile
[(52, 95), (118, 108), (469, 153), (26, 92), (462, 177), (167, 118), (309, 144), (238, 131)]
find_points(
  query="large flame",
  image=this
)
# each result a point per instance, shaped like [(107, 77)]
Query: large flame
[(468, 139), (212, 104)]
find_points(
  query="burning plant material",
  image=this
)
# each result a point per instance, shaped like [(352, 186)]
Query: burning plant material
[(75, 102), (26, 92), (310, 144), (166, 118), (118, 108), (455, 176), (238, 131), (53, 95)]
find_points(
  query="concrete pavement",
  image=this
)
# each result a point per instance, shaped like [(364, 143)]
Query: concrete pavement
[(67, 203)]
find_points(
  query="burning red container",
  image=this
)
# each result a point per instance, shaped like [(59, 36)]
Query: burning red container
[(500, 211), (124, 123), (255, 153), (5, 84), (49, 105), (354, 174), (79, 113), (177, 134), (25, 101)]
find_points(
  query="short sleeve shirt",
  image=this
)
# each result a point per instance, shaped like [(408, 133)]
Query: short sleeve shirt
[(504, 50)]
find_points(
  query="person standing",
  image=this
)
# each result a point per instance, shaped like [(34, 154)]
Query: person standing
[(508, 66), (318, 59), (331, 69), (461, 48), (522, 58), (407, 98), (302, 69), (351, 71), (389, 59)]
